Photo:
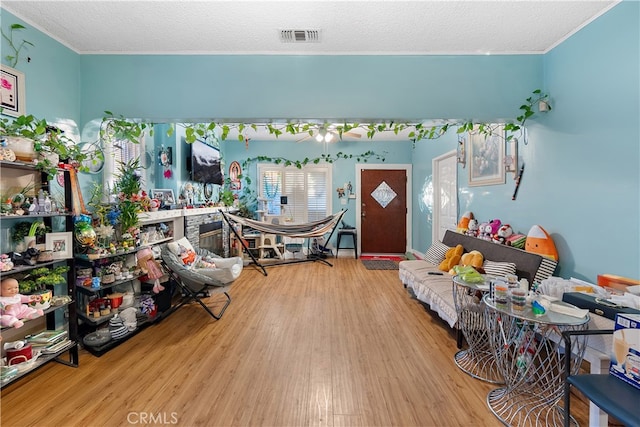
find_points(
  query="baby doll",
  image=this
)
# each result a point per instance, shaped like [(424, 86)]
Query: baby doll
[(149, 265), (12, 308)]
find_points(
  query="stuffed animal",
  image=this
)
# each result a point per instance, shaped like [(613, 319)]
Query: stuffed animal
[(540, 242), (149, 266), (504, 231), (517, 240), (473, 228), (463, 224), (482, 230), (474, 259), (489, 229), (495, 226), (12, 307), (451, 258)]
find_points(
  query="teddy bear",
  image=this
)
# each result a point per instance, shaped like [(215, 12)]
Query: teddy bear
[(451, 258), (474, 259), (503, 233), (12, 307)]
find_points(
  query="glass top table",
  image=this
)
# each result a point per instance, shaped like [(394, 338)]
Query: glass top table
[(477, 359), (530, 353)]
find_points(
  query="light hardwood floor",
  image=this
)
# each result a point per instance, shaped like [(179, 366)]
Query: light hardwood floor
[(308, 345)]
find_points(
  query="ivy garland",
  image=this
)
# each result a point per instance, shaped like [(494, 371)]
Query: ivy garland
[(328, 158), (132, 130)]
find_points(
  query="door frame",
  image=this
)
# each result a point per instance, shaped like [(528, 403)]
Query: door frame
[(435, 170), (397, 166)]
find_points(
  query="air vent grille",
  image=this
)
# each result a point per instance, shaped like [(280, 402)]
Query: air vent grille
[(300, 36)]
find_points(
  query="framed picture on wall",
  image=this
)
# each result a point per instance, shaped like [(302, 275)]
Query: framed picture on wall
[(60, 244), (12, 95), (486, 158)]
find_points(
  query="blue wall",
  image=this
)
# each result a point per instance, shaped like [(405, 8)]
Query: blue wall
[(581, 181), (249, 87)]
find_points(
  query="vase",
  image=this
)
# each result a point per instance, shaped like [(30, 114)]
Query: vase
[(22, 147), (29, 241), (45, 299)]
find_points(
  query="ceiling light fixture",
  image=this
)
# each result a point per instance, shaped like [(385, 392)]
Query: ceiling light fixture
[(328, 137)]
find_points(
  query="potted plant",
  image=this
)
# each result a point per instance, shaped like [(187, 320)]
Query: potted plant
[(26, 229), (21, 133), (130, 197), (40, 281)]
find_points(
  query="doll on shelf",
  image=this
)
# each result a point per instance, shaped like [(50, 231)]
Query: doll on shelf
[(12, 307), (148, 264)]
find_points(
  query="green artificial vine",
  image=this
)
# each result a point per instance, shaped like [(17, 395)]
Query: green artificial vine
[(120, 127), (15, 56), (328, 158), (527, 110), (132, 130)]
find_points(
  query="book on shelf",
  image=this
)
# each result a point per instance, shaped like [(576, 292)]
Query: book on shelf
[(47, 337), (56, 347)]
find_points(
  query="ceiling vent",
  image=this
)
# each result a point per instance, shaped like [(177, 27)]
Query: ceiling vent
[(300, 36)]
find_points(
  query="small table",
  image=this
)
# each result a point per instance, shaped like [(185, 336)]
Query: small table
[(530, 353), (478, 359)]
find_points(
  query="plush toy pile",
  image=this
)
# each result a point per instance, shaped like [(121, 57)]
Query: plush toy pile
[(537, 240)]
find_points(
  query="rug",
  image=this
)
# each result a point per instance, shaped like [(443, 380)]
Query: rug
[(379, 264), (383, 257)]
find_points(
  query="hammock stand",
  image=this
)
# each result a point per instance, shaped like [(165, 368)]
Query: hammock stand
[(311, 229)]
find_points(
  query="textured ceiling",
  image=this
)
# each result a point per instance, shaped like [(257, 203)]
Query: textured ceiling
[(345, 27)]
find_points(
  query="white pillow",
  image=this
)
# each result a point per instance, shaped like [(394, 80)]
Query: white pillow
[(435, 254), (499, 269), (174, 247)]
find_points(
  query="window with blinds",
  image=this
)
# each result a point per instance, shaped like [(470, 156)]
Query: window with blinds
[(117, 152), (306, 191)]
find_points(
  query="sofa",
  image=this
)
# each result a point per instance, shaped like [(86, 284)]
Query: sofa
[(437, 291)]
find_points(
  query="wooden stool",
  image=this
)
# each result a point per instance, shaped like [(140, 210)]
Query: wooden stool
[(354, 236)]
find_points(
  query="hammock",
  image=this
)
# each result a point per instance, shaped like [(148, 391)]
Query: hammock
[(306, 230), (309, 229)]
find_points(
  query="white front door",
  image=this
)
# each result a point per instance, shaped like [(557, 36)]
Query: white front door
[(445, 197)]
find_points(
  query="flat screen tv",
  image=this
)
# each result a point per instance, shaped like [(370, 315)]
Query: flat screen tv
[(205, 164)]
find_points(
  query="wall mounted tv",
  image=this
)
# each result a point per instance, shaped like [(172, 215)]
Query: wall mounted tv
[(205, 164)]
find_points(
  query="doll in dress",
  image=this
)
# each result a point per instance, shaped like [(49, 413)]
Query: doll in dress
[(12, 307)]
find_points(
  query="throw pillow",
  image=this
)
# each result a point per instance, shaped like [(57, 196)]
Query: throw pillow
[(499, 269), (435, 254)]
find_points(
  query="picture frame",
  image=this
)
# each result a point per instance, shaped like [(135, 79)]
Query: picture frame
[(12, 91), (235, 171), (486, 158), (165, 195), (60, 244)]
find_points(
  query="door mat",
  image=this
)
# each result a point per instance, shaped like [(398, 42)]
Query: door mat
[(379, 264)]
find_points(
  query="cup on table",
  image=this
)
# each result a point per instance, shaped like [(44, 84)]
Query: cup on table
[(512, 280)]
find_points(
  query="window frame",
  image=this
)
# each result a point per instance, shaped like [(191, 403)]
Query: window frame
[(286, 214)]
